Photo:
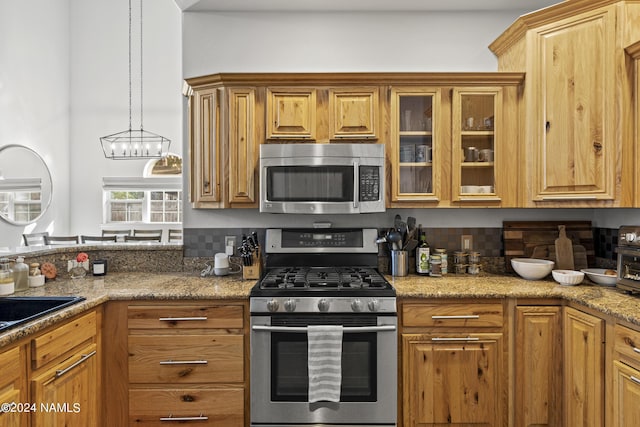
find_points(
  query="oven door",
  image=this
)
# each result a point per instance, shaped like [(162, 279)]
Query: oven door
[(628, 269), (279, 375)]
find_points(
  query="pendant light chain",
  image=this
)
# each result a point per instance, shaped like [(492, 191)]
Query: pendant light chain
[(135, 144)]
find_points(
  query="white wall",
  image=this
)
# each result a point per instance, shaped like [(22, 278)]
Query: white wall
[(34, 98), (343, 42)]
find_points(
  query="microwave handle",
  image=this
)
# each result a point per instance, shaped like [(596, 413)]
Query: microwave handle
[(356, 183)]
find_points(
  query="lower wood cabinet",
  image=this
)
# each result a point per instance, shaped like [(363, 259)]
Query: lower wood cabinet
[(13, 386), (538, 366), (453, 365), (583, 369), (181, 362), (65, 380), (626, 377)]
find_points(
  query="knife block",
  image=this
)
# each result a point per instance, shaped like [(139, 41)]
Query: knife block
[(253, 271)]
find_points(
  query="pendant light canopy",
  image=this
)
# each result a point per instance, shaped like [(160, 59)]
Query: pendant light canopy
[(135, 144)]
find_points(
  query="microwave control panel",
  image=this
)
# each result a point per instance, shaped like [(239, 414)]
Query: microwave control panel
[(369, 183)]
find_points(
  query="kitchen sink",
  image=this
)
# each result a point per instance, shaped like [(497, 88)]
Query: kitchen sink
[(18, 310)]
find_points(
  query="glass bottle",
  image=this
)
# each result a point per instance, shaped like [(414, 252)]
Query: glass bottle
[(422, 254), (21, 275), (7, 286)]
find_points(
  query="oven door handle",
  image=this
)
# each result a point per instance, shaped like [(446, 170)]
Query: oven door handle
[(346, 330), (356, 184)]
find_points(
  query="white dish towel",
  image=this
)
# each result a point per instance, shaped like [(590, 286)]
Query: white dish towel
[(325, 362)]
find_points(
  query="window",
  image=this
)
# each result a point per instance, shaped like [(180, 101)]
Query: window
[(154, 198)]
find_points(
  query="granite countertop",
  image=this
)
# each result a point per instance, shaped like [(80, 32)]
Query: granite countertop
[(189, 286)]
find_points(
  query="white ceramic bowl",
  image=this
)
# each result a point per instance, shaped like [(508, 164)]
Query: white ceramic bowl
[(532, 268), (568, 277), (596, 275)]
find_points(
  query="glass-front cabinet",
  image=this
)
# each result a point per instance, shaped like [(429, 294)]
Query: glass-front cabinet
[(475, 139), (415, 153)]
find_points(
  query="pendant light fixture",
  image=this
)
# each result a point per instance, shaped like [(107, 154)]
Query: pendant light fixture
[(135, 144)]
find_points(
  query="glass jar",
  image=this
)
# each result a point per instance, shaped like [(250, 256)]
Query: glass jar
[(474, 269), (20, 275), (436, 266), (474, 257), (7, 285), (444, 259), (460, 257)]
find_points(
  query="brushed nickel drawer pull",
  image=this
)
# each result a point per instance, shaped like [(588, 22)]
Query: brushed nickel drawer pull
[(183, 362), (61, 372), (180, 319), (197, 418), (441, 339), (636, 349), (463, 316), (634, 379)]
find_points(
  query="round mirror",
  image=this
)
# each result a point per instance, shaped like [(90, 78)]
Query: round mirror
[(25, 185)]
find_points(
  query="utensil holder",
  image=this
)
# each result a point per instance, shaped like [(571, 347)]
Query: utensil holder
[(399, 263), (253, 271)]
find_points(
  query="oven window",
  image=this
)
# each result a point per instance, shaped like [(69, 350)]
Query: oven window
[(289, 373), (310, 183)]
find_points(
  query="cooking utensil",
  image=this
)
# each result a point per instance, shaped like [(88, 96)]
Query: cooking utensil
[(564, 250), (410, 245), (395, 239)]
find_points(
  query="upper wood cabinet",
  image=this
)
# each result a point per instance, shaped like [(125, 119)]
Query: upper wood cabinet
[(577, 102), (291, 113), (224, 146), (353, 113), (455, 146), (634, 52)]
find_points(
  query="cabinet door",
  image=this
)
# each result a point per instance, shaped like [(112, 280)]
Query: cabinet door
[(454, 381), (583, 369), (353, 113), (13, 388), (291, 113), (576, 156), (415, 151), (243, 147), (206, 153), (67, 394), (476, 143), (538, 366), (626, 396)]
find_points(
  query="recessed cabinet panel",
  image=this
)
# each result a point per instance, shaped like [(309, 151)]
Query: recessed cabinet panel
[(291, 113), (243, 147), (205, 148), (353, 113)]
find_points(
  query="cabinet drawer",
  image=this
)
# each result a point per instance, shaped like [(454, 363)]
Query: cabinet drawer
[(11, 364), (178, 359), (185, 316), (452, 315), (218, 407), (59, 341), (627, 343)]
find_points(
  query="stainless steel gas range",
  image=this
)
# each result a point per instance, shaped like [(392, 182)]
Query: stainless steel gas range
[(323, 279)]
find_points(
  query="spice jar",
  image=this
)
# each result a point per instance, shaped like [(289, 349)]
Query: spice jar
[(474, 269), (459, 257), (436, 266), (444, 259), (474, 257)]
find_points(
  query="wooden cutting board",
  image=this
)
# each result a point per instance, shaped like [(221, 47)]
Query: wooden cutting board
[(521, 237), (549, 252), (564, 250)]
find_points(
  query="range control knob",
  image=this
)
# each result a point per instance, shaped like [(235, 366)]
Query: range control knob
[(373, 305), (630, 237), (323, 305), (272, 305), (357, 305), (290, 305)]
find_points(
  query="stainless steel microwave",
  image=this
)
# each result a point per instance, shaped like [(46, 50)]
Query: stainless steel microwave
[(322, 178)]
